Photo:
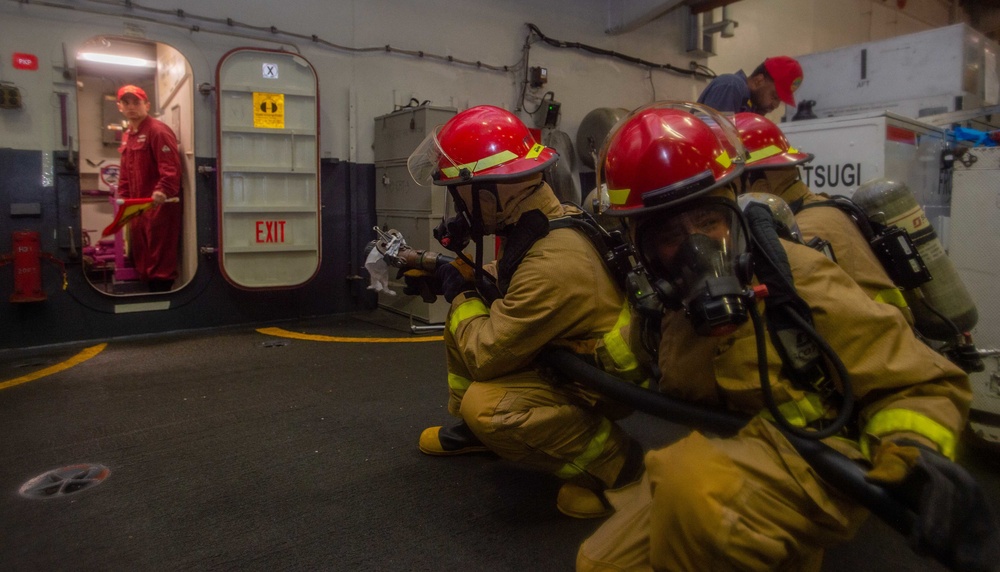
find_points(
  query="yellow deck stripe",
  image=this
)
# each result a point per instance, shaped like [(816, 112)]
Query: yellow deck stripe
[(281, 333), (78, 358)]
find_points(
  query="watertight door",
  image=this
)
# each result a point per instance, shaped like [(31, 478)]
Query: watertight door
[(268, 192)]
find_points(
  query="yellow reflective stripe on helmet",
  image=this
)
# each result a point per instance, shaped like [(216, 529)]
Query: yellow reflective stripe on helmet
[(618, 196), (724, 159), (763, 153), (535, 151), (457, 383), (891, 296), (801, 412), (896, 420), (596, 446), (617, 348), (484, 163), (471, 308)]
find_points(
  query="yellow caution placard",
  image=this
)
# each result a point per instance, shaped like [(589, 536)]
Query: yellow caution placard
[(269, 110)]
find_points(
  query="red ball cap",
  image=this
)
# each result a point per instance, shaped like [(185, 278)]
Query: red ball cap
[(138, 92), (787, 76)]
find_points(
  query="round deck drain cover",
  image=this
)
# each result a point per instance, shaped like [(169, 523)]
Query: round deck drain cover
[(64, 481)]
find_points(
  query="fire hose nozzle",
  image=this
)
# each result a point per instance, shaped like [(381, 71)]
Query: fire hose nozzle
[(397, 254), (428, 260)]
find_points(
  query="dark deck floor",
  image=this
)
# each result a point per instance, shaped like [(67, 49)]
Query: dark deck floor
[(234, 449)]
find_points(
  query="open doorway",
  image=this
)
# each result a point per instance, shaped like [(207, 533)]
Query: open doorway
[(104, 64)]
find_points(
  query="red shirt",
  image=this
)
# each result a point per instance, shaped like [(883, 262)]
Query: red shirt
[(150, 161)]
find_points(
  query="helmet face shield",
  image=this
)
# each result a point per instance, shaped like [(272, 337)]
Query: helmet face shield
[(706, 236), (782, 213), (700, 251), (426, 160), (486, 143)]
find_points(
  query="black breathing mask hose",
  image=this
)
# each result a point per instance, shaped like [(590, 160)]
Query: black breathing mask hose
[(847, 397), (787, 311)]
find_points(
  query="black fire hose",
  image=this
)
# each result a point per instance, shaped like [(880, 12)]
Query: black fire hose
[(832, 467)]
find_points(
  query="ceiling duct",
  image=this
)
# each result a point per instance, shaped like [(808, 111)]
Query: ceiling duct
[(628, 15)]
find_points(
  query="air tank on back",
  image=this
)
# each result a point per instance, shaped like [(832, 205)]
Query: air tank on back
[(942, 307), (593, 129), (590, 138)]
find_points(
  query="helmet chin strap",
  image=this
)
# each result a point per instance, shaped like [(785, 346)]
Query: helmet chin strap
[(485, 283)]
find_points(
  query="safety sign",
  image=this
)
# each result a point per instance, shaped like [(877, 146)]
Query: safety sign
[(110, 174), (269, 110)]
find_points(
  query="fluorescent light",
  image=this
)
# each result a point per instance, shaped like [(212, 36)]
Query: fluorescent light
[(117, 60)]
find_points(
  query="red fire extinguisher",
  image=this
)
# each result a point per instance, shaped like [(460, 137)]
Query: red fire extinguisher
[(27, 267)]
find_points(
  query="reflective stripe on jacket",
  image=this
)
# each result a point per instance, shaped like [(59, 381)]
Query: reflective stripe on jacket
[(900, 384)]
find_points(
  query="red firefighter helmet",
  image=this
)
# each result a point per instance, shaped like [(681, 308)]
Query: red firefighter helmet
[(663, 154), (766, 145), (485, 143)]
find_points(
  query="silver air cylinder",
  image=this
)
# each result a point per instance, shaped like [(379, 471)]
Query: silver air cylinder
[(891, 203)]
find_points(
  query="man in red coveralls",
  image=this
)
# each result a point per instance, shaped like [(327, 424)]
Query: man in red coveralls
[(151, 168)]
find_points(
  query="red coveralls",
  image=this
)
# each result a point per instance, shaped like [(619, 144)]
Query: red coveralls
[(151, 162)]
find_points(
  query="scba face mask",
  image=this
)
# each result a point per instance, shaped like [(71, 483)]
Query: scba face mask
[(476, 209), (700, 261)]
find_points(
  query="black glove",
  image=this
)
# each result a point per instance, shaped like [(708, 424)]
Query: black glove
[(421, 283), (452, 280), (954, 521)]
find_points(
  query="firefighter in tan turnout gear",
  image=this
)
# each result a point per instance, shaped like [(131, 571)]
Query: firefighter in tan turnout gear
[(772, 167), (549, 286), (884, 399)]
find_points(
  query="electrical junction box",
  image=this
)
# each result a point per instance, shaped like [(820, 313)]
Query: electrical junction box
[(853, 149), (936, 71), (547, 115), (975, 252), (539, 76)]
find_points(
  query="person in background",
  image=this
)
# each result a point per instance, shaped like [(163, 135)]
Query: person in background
[(774, 81), (150, 168), (550, 287)]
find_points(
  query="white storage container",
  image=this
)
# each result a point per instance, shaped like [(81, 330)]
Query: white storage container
[(941, 70), (853, 149), (975, 251)]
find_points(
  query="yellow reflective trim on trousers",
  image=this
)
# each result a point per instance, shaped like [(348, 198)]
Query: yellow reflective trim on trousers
[(618, 349), (891, 296), (763, 153), (471, 308), (618, 196), (800, 413), (895, 420), (484, 163), (458, 384), (596, 446)]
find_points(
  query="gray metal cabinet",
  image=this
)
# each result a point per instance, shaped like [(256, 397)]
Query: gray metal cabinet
[(402, 204)]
